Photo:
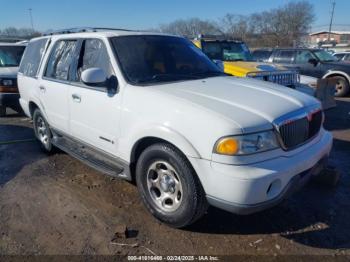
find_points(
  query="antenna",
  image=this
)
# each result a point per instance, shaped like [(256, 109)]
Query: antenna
[(331, 22), (31, 18)]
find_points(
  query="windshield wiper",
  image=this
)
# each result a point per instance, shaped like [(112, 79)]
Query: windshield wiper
[(167, 77), (209, 73)]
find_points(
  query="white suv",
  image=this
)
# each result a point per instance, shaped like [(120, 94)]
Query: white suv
[(153, 108)]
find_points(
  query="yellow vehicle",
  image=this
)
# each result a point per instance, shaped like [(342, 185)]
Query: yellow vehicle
[(234, 58)]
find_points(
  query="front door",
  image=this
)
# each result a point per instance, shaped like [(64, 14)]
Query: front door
[(94, 117)]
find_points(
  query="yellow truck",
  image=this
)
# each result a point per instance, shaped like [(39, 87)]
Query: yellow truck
[(234, 58)]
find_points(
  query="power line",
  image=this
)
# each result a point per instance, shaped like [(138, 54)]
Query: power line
[(330, 24), (31, 18)]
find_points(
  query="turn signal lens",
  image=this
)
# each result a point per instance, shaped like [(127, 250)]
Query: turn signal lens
[(227, 146)]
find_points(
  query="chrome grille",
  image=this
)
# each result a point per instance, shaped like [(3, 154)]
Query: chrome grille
[(282, 77), (296, 132)]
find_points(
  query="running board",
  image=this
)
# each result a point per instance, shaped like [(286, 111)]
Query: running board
[(89, 156)]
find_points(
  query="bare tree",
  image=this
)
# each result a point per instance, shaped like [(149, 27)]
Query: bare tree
[(21, 33), (190, 27)]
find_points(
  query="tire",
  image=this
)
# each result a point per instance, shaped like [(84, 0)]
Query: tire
[(342, 86), (169, 187), (328, 178), (42, 131), (2, 111)]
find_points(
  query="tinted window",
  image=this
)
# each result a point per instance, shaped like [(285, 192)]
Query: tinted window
[(226, 51), (303, 56), (93, 54), (150, 59), (61, 59), (261, 55), (347, 57), (32, 57), (10, 56), (284, 56)]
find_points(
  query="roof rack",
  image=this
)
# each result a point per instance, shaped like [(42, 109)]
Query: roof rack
[(85, 29), (221, 37)]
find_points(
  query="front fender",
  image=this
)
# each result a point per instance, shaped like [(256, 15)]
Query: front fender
[(165, 133), (336, 72)]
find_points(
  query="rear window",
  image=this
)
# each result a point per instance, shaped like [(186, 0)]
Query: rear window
[(10, 56), (32, 57), (284, 56)]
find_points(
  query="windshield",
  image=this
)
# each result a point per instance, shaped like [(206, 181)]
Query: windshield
[(227, 51), (148, 59), (10, 56), (324, 56)]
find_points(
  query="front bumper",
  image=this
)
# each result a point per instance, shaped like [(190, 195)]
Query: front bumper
[(246, 189), (10, 100)]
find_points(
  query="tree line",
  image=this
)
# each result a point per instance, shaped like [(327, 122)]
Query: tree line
[(287, 25)]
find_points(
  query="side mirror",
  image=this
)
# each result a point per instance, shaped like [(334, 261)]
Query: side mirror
[(94, 76), (313, 61)]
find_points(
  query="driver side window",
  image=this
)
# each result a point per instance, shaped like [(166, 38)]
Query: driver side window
[(304, 56), (93, 54)]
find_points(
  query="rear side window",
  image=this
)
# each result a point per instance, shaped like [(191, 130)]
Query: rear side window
[(61, 59), (32, 57), (261, 55), (284, 56)]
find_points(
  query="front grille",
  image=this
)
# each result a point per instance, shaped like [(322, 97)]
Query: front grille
[(285, 78), (296, 132)]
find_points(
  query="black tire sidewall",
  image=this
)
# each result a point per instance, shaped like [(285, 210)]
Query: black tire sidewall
[(36, 115), (187, 210)]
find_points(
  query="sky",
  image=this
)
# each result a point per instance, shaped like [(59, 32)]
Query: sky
[(146, 14)]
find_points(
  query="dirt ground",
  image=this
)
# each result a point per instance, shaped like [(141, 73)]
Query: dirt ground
[(57, 205)]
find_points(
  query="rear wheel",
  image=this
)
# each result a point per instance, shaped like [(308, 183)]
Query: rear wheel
[(169, 186), (341, 87), (2, 111), (42, 131)]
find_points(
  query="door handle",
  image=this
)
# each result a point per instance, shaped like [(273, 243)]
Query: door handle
[(42, 89), (76, 98)]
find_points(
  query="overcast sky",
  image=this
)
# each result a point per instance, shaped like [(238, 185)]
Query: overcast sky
[(146, 14)]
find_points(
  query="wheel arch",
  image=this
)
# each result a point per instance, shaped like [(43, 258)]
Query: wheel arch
[(333, 73)]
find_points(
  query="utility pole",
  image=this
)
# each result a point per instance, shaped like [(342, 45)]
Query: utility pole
[(331, 22), (31, 18)]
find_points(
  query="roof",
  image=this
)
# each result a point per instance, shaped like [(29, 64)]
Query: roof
[(99, 33), (12, 44), (332, 32)]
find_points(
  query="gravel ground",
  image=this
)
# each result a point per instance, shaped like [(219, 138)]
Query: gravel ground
[(57, 205)]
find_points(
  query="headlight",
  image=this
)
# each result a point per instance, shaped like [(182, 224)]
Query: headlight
[(246, 144)]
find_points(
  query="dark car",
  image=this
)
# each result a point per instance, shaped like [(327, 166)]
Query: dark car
[(316, 63), (344, 56), (262, 55)]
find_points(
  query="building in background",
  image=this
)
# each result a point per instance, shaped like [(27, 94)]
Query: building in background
[(337, 40)]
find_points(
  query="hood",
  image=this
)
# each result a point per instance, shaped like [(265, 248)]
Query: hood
[(10, 72), (338, 64), (242, 68), (251, 104)]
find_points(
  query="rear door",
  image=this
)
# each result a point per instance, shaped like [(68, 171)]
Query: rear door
[(95, 109), (54, 86)]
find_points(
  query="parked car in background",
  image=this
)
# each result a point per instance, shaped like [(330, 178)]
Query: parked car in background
[(342, 56), (154, 108), (234, 58), (315, 62), (10, 57), (262, 55)]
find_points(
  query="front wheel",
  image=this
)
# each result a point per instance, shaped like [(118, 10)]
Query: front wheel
[(169, 187), (42, 131)]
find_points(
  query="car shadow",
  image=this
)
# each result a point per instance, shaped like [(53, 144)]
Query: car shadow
[(18, 148)]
